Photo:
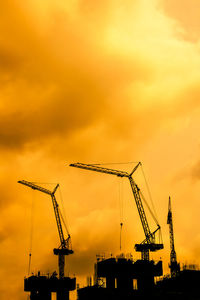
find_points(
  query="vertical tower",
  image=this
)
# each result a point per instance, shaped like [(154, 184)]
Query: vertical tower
[(174, 266)]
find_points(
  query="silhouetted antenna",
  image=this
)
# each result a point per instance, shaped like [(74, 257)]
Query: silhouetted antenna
[(174, 266)]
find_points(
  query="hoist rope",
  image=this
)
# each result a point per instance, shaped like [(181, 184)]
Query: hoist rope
[(121, 209), (121, 212), (31, 231), (120, 242)]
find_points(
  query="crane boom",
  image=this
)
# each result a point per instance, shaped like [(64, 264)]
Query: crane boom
[(143, 218), (65, 246), (149, 242), (35, 187), (100, 169)]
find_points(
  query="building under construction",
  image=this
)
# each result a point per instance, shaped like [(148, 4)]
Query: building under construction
[(124, 279), (118, 278), (41, 287), (121, 278)]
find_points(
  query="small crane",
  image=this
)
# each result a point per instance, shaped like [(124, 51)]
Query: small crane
[(174, 266), (149, 243), (65, 247)]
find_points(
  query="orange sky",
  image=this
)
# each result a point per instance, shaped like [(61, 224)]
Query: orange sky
[(96, 82)]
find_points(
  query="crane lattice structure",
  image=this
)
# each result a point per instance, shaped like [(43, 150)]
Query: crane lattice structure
[(149, 244), (174, 266), (65, 247)]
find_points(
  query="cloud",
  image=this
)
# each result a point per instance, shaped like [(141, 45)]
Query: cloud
[(94, 82), (195, 172), (54, 89), (186, 14)]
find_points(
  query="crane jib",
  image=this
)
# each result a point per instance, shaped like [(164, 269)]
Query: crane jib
[(99, 169)]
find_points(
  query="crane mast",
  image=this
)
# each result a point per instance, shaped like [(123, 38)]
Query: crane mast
[(145, 225), (65, 244), (174, 266), (149, 243)]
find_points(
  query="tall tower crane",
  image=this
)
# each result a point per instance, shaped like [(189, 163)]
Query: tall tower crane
[(174, 266), (65, 247), (149, 244)]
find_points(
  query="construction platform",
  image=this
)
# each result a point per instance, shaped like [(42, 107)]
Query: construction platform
[(186, 285), (42, 287), (122, 278), (120, 272)]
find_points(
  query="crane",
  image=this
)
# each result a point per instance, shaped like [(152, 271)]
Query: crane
[(149, 243), (65, 247), (174, 266)]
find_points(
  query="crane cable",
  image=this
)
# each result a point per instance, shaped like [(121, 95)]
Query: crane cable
[(63, 208), (63, 215), (154, 214), (149, 192), (116, 163), (31, 231), (64, 220), (121, 210)]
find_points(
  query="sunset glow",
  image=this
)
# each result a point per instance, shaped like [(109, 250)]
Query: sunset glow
[(96, 82)]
